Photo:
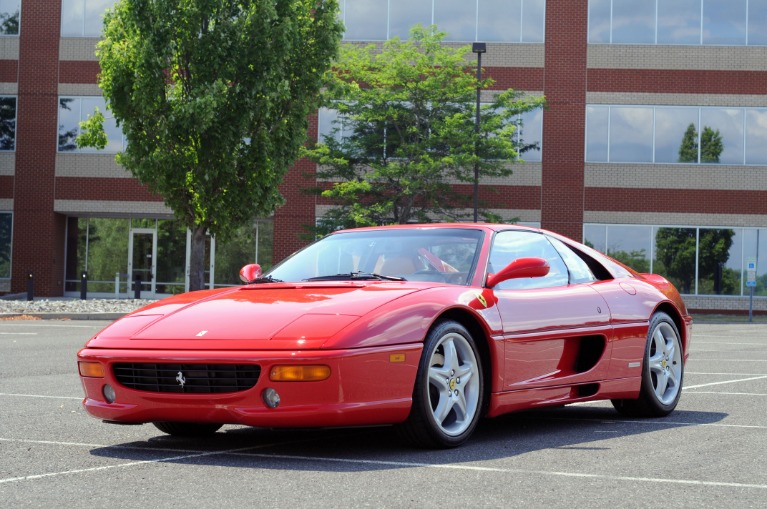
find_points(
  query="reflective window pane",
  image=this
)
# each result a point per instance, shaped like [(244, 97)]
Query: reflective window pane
[(93, 22), (757, 22), (633, 22), (366, 20), (756, 136), (171, 249), (83, 18), (675, 250), (755, 251), (7, 123), (72, 111), (533, 20), (6, 226), (719, 262), (531, 135), (676, 135), (721, 135), (630, 245), (457, 18), (499, 21), (724, 22), (10, 17), (679, 21), (98, 246), (404, 14), (631, 134), (597, 127), (599, 21), (595, 236)]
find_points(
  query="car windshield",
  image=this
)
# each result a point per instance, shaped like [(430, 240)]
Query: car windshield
[(445, 255)]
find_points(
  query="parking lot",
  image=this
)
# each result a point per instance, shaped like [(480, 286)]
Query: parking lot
[(711, 452)]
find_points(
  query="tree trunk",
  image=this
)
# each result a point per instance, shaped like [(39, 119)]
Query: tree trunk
[(197, 259)]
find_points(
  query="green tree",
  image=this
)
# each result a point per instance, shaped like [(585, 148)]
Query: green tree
[(676, 252), (711, 145), (688, 151), (213, 98), (406, 132)]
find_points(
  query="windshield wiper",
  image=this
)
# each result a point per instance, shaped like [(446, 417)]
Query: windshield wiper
[(265, 279), (356, 275)]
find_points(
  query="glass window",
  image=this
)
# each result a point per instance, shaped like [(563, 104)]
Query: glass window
[(72, 111), (755, 250), (676, 135), (719, 262), (6, 237), (403, 14), (597, 133), (98, 246), (170, 276), (510, 245), (721, 135), (757, 21), (457, 18), (631, 134), (249, 244), (578, 270), (756, 136), (630, 245), (633, 22), (7, 123), (679, 21), (366, 20), (533, 20), (83, 18), (10, 12), (675, 251), (724, 22), (499, 21), (595, 236), (531, 135), (599, 21)]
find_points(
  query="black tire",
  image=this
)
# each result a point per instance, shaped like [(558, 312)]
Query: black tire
[(448, 396), (662, 372), (187, 429)]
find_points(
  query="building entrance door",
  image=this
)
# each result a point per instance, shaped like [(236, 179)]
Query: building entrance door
[(142, 264)]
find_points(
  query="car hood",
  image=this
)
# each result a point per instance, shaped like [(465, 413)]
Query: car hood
[(267, 316)]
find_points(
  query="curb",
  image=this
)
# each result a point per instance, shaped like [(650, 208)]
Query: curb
[(62, 316)]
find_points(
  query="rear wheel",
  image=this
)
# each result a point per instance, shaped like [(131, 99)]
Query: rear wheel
[(662, 372), (187, 429), (449, 389)]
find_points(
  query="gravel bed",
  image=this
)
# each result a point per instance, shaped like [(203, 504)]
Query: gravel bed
[(72, 305)]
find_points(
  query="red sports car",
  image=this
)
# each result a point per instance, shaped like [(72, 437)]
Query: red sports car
[(426, 327)]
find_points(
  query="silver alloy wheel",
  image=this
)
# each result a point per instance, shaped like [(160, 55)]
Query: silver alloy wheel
[(665, 363), (454, 384)]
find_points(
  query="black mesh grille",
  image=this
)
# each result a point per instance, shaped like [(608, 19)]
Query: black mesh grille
[(196, 378)]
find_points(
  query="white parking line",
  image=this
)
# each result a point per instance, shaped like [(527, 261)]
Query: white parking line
[(762, 377), (37, 396), (729, 393), (398, 464)]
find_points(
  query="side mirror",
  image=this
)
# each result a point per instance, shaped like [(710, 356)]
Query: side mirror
[(519, 268), (250, 273)]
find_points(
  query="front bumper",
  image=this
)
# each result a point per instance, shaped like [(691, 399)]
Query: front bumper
[(366, 386)]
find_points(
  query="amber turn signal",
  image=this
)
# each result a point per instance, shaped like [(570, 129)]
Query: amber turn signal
[(308, 373), (91, 369)]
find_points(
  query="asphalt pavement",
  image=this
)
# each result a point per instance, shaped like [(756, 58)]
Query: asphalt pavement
[(709, 453)]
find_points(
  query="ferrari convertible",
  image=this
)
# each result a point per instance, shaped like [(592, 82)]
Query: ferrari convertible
[(425, 327)]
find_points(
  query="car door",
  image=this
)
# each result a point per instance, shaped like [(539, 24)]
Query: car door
[(556, 328)]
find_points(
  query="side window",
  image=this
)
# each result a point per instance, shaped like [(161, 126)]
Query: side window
[(579, 270), (510, 245)]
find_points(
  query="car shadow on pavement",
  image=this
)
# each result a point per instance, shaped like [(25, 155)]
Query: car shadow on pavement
[(576, 427)]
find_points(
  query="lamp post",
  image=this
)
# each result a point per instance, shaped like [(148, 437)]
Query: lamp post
[(478, 48)]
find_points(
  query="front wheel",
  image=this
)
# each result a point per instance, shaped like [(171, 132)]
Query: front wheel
[(187, 429), (662, 372), (449, 389)]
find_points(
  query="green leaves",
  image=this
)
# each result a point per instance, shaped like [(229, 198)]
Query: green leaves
[(213, 98), (407, 131)]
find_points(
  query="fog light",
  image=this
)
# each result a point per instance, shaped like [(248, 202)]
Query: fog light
[(270, 397), (109, 393)]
